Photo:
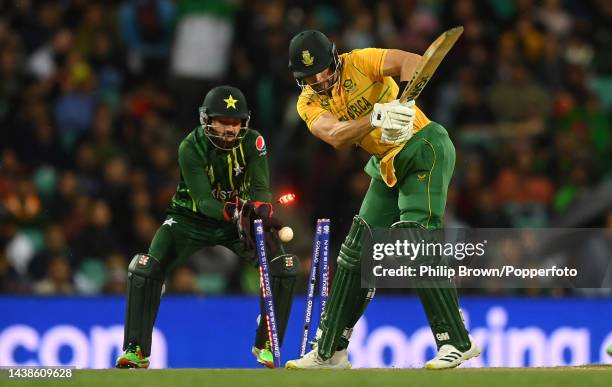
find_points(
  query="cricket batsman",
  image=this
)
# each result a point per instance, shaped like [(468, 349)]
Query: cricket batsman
[(351, 99), (224, 185)]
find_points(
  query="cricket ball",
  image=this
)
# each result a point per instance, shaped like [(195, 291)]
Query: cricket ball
[(285, 234)]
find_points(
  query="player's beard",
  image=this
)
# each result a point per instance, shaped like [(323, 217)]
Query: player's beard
[(329, 84), (223, 141), (224, 145)]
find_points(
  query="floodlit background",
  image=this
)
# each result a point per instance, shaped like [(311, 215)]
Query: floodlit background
[(96, 95)]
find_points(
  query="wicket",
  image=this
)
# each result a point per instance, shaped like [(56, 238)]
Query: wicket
[(266, 291), (320, 262)]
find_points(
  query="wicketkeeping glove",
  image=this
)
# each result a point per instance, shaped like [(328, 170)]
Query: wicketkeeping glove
[(259, 210), (231, 210)]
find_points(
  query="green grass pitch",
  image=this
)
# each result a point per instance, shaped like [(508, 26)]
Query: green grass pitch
[(485, 377)]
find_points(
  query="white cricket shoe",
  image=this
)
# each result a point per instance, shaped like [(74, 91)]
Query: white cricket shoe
[(450, 357), (312, 360)]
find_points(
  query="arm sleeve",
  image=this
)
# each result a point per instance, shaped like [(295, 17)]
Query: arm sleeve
[(309, 110), (370, 62), (192, 169), (259, 173)]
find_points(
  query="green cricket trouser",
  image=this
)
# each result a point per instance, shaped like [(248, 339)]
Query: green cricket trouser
[(181, 235), (423, 169)]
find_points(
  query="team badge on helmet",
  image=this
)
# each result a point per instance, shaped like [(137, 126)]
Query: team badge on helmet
[(231, 102), (307, 59)]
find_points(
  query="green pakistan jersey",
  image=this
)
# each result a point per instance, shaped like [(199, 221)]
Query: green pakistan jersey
[(210, 176)]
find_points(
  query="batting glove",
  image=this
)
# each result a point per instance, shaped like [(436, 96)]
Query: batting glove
[(399, 131), (392, 115)]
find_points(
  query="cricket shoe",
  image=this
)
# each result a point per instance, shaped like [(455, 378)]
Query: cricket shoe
[(450, 357), (132, 358), (312, 360), (264, 356)]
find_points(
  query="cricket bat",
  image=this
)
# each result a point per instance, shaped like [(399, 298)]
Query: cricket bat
[(429, 62)]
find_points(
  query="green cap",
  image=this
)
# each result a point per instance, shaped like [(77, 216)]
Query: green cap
[(310, 52), (225, 101)]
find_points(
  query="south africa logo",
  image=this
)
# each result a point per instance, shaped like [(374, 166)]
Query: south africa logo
[(307, 59), (349, 85)]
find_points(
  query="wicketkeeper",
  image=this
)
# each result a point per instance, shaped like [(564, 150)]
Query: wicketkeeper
[(224, 185), (351, 99)]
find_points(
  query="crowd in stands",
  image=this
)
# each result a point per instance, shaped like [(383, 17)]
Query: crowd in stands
[(95, 97)]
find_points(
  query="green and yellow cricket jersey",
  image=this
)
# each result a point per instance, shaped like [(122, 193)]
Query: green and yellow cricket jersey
[(362, 84), (210, 176)]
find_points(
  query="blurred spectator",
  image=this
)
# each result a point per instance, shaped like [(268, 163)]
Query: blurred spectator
[(116, 275), (146, 27), (487, 211), (471, 177), (555, 18), (66, 191), (96, 19), (49, 58), (58, 278), (518, 97), (201, 28), (359, 34), (11, 170), (37, 21), (550, 70), (182, 281), (144, 228), (23, 202), (40, 143), (523, 191), (115, 191), (9, 278), (55, 244), (98, 238), (12, 80), (106, 61), (102, 135), (75, 107), (470, 106), (75, 218)]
